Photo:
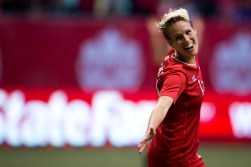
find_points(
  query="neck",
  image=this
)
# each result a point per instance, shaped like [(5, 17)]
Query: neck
[(188, 60)]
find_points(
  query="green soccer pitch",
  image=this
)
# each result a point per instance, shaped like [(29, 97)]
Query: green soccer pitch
[(215, 155)]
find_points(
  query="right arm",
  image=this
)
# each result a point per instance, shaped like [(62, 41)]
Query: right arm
[(157, 116)]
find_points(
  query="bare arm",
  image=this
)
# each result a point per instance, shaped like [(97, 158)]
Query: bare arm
[(158, 114)]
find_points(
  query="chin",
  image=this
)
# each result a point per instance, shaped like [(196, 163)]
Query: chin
[(195, 52), (192, 54)]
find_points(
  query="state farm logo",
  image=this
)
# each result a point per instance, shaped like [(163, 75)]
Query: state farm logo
[(110, 61), (230, 68), (240, 119)]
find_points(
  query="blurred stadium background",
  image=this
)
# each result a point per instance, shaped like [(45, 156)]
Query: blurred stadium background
[(77, 80)]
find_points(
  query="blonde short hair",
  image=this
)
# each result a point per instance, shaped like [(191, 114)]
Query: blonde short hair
[(172, 14), (172, 17)]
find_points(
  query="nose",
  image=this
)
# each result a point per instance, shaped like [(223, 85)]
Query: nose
[(186, 38)]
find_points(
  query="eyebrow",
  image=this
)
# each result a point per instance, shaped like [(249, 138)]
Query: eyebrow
[(188, 29)]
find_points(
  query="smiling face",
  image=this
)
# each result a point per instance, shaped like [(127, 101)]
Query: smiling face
[(182, 37)]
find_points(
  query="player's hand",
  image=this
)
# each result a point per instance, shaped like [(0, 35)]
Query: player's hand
[(147, 138)]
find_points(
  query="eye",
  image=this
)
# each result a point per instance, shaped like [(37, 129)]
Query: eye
[(177, 38), (188, 32)]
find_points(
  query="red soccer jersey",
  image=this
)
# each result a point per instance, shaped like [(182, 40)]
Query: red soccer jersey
[(176, 138)]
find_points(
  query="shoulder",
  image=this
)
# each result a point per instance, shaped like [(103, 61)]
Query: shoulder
[(174, 71), (170, 65)]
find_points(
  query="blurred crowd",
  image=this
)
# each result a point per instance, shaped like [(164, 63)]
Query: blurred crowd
[(227, 9)]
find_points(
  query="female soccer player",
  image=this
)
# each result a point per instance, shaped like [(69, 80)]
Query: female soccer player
[(173, 126)]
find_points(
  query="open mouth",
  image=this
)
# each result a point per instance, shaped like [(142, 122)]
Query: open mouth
[(189, 47)]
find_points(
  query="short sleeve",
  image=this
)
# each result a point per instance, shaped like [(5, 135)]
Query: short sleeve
[(174, 84)]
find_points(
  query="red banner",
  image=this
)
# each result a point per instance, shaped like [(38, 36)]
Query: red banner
[(76, 53), (116, 53), (105, 75)]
